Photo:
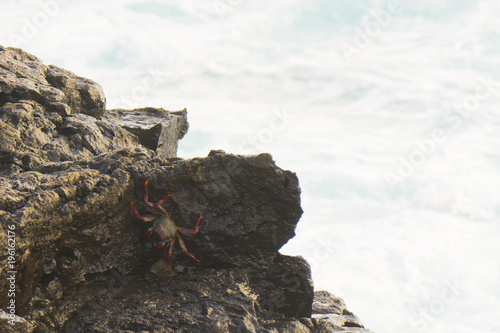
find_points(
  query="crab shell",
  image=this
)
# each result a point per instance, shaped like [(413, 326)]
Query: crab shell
[(164, 229)]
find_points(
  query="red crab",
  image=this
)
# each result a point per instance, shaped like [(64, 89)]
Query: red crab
[(164, 230)]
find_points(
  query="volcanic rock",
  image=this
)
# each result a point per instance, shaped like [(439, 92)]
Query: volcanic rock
[(68, 172)]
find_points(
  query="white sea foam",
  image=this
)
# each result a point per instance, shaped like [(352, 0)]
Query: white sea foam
[(418, 256)]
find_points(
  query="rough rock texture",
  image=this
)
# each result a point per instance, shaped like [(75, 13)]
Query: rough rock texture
[(331, 315), (24, 77), (157, 129), (68, 172)]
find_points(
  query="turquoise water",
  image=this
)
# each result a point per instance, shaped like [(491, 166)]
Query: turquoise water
[(389, 117)]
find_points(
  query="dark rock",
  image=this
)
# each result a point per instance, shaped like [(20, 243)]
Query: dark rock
[(68, 172), (33, 137), (250, 206), (24, 77), (156, 128), (50, 115), (210, 300), (331, 315), (286, 289)]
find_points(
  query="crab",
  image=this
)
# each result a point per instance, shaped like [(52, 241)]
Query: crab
[(164, 232)]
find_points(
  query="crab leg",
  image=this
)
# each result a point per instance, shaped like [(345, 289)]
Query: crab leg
[(148, 204), (184, 248), (191, 232), (170, 253), (159, 209), (138, 216), (163, 200)]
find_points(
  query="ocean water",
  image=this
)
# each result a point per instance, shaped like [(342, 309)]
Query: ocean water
[(388, 111)]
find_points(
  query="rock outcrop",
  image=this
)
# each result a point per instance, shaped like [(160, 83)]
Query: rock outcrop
[(69, 169)]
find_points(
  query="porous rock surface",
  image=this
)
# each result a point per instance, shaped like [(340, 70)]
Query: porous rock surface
[(69, 169)]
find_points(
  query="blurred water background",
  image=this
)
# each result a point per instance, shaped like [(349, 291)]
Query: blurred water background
[(388, 111)]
